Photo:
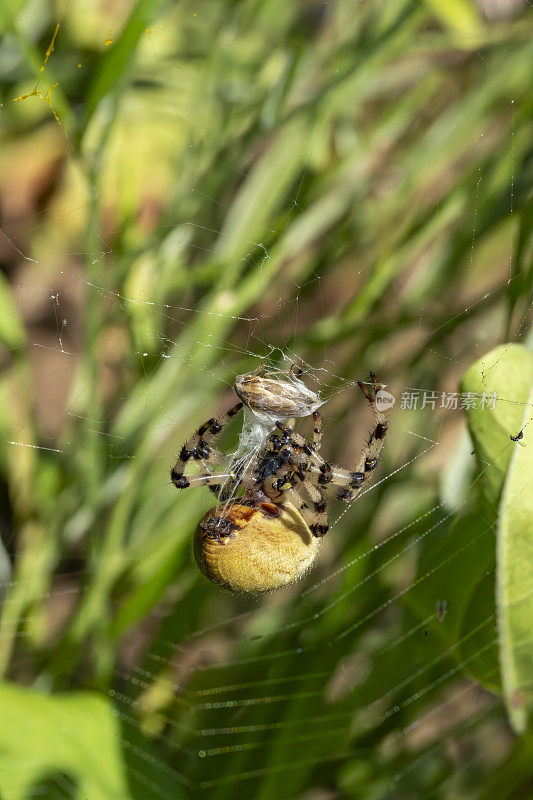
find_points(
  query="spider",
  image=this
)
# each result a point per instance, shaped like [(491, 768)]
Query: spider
[(269, 537)]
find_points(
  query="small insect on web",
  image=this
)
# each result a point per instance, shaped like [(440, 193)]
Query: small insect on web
[(269, 536)]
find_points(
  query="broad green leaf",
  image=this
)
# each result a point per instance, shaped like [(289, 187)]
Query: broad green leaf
[(515, 580), (459, 559), (455, 565), (506, 472), (77, 745), (507, 373), (76, 735)]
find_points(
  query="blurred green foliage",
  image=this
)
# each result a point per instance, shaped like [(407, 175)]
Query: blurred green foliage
[(188, 189)]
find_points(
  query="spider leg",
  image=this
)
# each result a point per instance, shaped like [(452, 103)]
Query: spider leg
[(370, 454), (214, 457), (315, 520), (344, 484), (240, 474), (223, 485), (214, 482), (198, 448), (334, 481), (291, 474), (298, 443), (317, 431), (318, 471), (314, 512), (286, 482)]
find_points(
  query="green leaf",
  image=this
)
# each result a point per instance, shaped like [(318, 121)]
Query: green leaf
[(76, 735), (456, 566), (515, 581), (506, 371), (506, 472)]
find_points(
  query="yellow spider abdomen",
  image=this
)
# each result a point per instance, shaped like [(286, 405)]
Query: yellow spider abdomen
[(261, 551)]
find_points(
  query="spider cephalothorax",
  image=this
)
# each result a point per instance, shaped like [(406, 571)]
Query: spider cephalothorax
[(269, 536)]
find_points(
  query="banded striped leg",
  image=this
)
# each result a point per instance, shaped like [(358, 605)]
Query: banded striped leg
[(213, 482), (288, 480), (289, 486), (298, 443), (240, 474), (317, 431), (317, 521), (292, 473), (344, 484), (315, 515), (317, 472), (291, 476), (315, 512), (334, 481), (198, 448)]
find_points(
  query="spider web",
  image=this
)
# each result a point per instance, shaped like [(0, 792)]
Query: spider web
[(366, 678)]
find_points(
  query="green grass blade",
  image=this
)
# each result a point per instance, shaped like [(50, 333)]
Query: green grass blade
[(116, 61)]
